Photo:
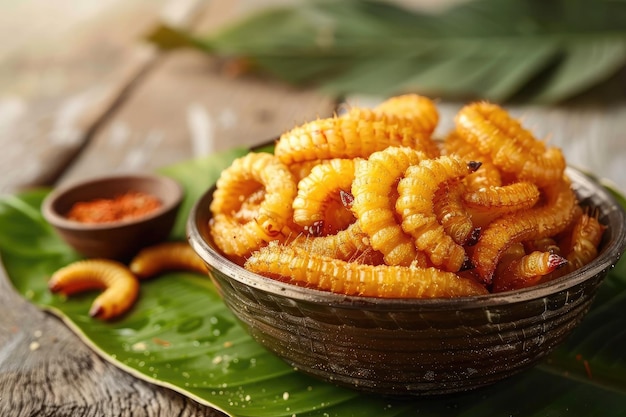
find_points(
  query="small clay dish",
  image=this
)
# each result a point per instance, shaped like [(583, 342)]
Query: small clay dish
[(413, 347), (120, 239)]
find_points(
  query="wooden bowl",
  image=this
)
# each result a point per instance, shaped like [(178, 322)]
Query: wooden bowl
[(120, 239), (410, 347)]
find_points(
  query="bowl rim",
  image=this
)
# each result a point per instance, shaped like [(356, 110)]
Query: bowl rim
[(607, 258), (173, 200)]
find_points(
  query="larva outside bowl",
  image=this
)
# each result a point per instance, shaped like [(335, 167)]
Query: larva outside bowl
[(119, 239), (413, 347)]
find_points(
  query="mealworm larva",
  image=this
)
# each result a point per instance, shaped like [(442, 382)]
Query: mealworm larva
[(545, 244), (234, 238), (512, 148), (167, 256), (415, 206), (487, 203), (514, 252), (392, 128), (584, 241), (526, 270), (517, 196), (488, 174), (451, 213), (347, 245), (318, 191), (545, 168), (374, 192), (120, 286), (244, 177), (356, 135), (544, 220), (299, 170), (298, 266), (421, 110)]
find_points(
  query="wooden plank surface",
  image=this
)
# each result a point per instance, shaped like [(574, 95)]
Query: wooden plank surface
[(57, 77), (188, 107)]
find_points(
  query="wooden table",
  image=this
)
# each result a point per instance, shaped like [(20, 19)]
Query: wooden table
[(82, 95)]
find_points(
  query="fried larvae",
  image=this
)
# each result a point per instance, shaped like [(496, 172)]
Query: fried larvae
[(545, 244), (374, 192), (487, 176), (584, 241), (487, 203), (510, 147), (518, 270), (451, 212), (368, 203), (168, 256), (351, 245), (244, 178), (120, 286), (421, 110), (356, 135), (319, 194), (298, 266), (415, 206), (544, 220)]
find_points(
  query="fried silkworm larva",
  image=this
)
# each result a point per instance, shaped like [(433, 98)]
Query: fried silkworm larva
[(487, 203), (547, 219), (244, 177), (512, 148), (488, 174), (120, 286), (451, 213), (527, 270), (167, 256), (234, 238), (348, 245), (584, 241), (299, 170), (374, 192), (415, 206), (517, 196), (545, 244), (395, 126), (318, 191), (296, 265), (421, 110), (514, 252), (358, 134)]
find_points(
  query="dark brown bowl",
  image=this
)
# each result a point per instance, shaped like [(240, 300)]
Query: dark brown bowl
[(413, 347), (115, 240)]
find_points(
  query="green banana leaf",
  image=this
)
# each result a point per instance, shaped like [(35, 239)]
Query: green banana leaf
[(542, 51), (180, 335)]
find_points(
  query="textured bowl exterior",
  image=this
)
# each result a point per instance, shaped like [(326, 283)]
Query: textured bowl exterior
[(116, 240), (412, 347)]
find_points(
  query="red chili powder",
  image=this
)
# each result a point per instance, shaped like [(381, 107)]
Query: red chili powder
[(125, 206)]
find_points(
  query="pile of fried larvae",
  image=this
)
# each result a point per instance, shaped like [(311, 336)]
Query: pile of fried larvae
[(368, 203)]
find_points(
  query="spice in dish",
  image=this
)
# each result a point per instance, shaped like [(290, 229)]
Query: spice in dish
[(128, 205)]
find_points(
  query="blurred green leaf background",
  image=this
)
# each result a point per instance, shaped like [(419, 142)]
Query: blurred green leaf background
[(518, 50)]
